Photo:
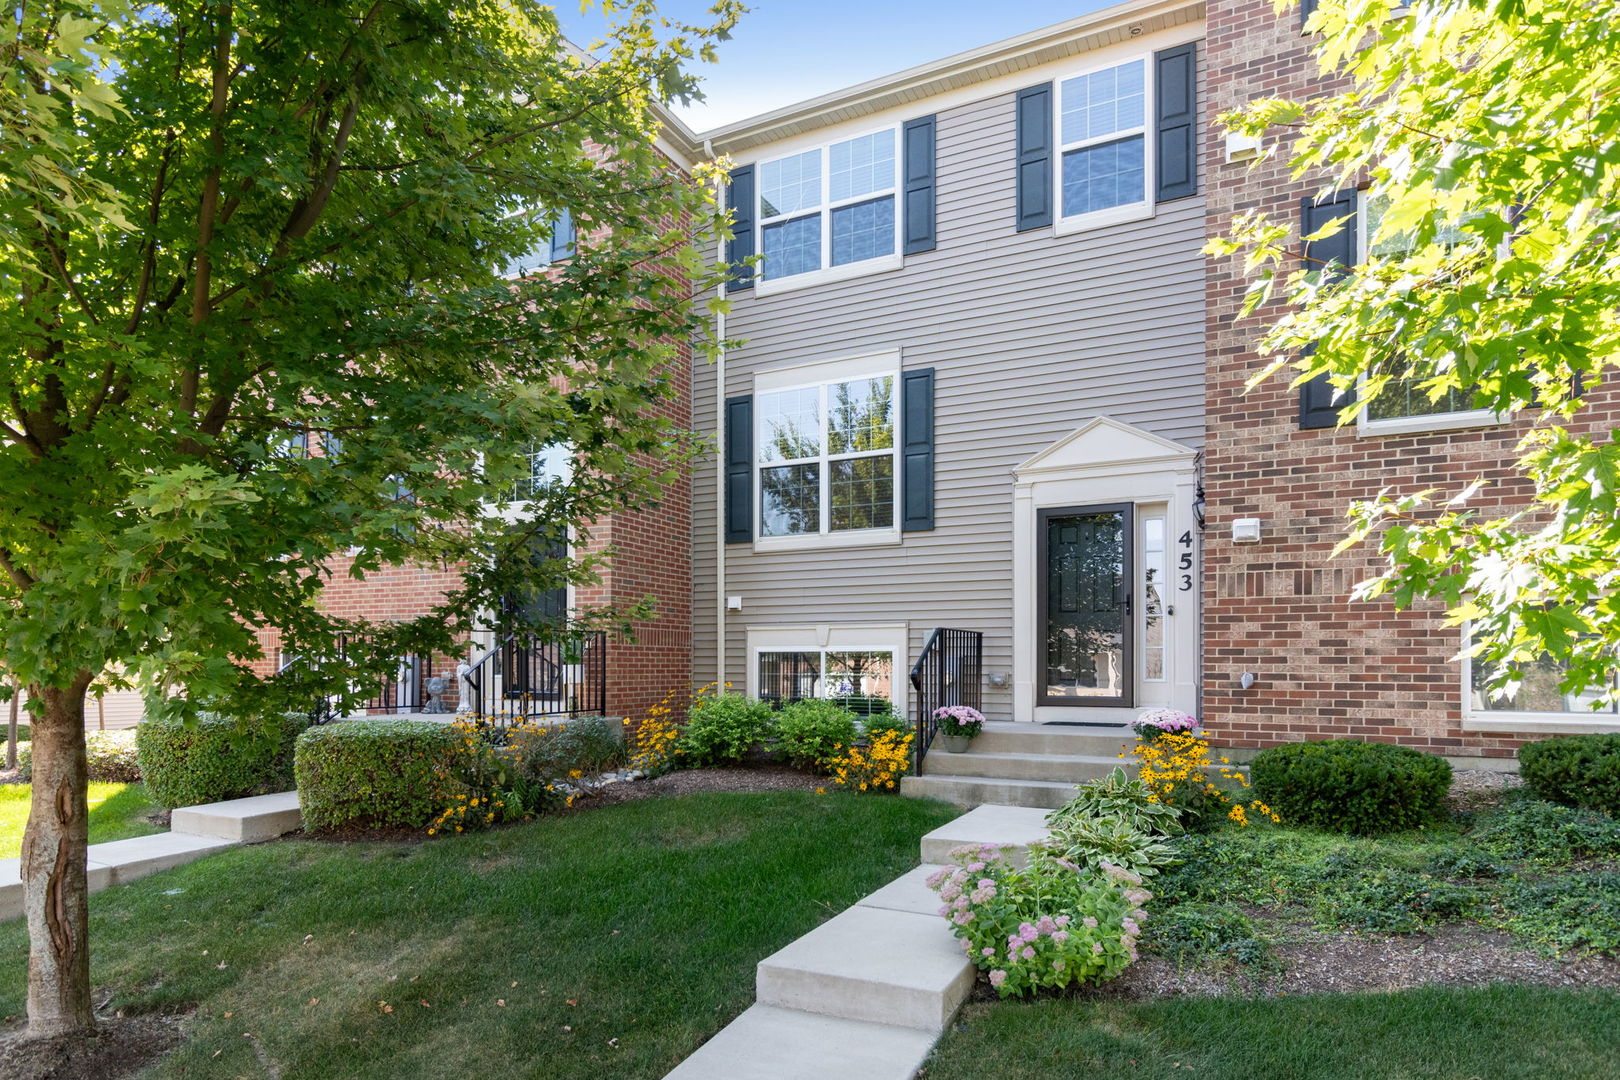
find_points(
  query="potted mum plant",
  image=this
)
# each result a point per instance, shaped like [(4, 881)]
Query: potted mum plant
[(1152, 723), (958, 724)]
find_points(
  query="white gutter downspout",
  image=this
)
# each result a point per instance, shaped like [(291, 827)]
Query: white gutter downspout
[(720, 451)]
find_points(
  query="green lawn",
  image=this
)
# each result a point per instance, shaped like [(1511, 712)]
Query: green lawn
[(117, 812), (603, 944), (1501, 1032)]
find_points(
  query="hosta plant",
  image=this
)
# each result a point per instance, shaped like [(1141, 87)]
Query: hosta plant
[(1046, 926), (1120, 797), (1091, 842)]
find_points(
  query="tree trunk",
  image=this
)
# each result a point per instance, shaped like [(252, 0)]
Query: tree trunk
[(53, 868)]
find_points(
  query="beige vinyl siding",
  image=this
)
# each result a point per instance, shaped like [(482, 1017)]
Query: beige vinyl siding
[(1030, 334)]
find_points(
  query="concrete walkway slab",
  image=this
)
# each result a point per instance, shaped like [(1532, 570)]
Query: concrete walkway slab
[(893, 967), (908, 892), (246, 821), (767, 1043), (117, 862), (1012, 827)]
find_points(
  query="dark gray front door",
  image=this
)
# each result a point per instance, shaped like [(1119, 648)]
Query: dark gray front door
[(1084, 606)]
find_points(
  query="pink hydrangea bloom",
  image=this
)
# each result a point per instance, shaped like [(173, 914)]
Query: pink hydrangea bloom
[(1027, 932), (1058, 965), (1028, 953), (987, 951), (1096, 947), (1130, 927), (1064, 920), (1060, 937), (1045, 925), (1088, 922), (962, 918), (997, 978)]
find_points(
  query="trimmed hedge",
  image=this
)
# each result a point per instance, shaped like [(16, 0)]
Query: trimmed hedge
[(217, 757), (1342, 785), (372, 773), (110, 755), (1581, 770)]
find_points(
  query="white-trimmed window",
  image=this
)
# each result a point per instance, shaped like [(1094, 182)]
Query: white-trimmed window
[(554, 242), (1404, 406), (832, 210), (548, 466), (1538, 702), (1105, 158), (825, 454), (791, 663)]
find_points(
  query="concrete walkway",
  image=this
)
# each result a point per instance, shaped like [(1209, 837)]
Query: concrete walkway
[(865, 995), (194, 831)]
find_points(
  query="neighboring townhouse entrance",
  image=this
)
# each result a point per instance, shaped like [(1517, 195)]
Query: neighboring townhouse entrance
[(1105, 568)]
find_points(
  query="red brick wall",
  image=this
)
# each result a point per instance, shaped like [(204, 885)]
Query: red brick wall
[(1326, 667)]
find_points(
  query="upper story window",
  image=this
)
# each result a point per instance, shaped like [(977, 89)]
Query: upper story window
[(825, 458), (1404, 406), (548, 467), (1103, 153), (829, 208), (555, 244)]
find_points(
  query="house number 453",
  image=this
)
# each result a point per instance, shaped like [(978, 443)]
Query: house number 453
[(1185, 561)]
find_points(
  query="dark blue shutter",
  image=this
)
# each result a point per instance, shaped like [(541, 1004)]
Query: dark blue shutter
[(1333, 255), (562, 237), (740, 201), (917, 233), (1306, 8), (1175, 74), (917, 450), (1034, 119), (740, 469)]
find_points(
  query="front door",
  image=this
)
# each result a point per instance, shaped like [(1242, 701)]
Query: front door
[(1086, 644)]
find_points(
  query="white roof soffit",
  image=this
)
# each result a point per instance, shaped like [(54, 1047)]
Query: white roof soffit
[(1120, 22)]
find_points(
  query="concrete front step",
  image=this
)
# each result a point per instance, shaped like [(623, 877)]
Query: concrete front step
[(873, 964), (908, 892), (245, 821), (118, 862), (768, 1043), (1065, 768), (1012, 828), (1009, 737), (984, 790)]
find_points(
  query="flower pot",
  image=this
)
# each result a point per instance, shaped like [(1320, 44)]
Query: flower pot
[(956, 744)]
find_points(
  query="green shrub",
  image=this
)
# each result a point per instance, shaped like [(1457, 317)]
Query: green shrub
[(110, 755), (1342, 785), (1118, 796), (877, 723), (723, 728), (588, 745), (216, 757), (1581, 770), (811, 733), (375, 773)]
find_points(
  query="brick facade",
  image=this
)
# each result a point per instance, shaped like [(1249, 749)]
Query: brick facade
[(1326, 667)]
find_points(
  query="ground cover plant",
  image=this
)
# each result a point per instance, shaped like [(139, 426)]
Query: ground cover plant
[(117, 812), (600, 945)]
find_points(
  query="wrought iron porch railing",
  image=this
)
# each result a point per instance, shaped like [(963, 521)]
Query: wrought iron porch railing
[(948, 671), (404, 693), (523, 677)]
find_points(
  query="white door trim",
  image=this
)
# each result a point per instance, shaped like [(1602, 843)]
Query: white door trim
[(1107, 461)]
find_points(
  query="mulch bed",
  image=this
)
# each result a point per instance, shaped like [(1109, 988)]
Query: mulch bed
[(748, 778), (123, 1046)]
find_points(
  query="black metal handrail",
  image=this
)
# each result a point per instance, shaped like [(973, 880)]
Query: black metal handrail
[(401, 694), (524, 676), (948, 671)]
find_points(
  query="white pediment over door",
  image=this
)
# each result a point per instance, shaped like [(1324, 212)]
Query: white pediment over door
[(1100, 442)]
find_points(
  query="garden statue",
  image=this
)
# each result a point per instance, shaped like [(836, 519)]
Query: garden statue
[(436, 686)]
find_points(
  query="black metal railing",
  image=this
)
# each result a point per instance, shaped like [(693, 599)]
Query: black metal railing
[(949, 671), (524, 676), (403, 692)]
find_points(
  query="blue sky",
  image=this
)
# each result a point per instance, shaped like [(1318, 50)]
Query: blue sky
[(788, 50)]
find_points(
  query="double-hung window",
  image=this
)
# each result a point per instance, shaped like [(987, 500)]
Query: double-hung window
[(830, 211), (825, 458), (1404, 406), (1105, 161), (554, 241)]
